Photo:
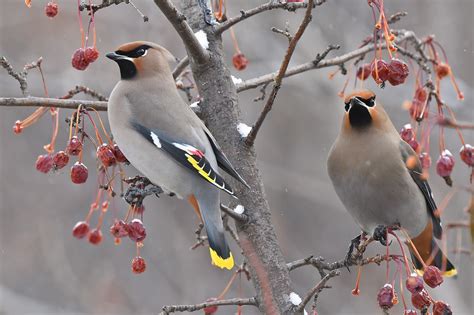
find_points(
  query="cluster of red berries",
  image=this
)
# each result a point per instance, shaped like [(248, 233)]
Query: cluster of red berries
[(420, 297), (395, 72), (82, 57), (445, 163)]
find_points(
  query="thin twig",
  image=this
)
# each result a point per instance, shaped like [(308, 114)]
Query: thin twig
[(336, 61), (196, 307), (108, 3), (291, 7), (20, 76), (182, 64), (51, 102), (450, 123), (234, 215), (84, 89), (317, 289), (281, 73), (178, 20)]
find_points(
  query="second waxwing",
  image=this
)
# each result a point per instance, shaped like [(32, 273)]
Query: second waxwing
[(378, 178), (163, 138)]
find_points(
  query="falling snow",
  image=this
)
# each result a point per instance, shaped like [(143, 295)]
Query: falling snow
[(202, 39), (244, 130)]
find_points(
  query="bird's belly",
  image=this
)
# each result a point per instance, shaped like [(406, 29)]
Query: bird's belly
[(374, 201)]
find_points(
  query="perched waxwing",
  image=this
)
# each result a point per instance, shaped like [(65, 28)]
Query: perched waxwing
[(162, 137), (378, 178)]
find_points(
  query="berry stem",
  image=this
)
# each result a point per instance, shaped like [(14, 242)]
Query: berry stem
[(103, 128), (234, 41), (356, 290), (415, 251), (227, 287), (81, 27), (407, 266)]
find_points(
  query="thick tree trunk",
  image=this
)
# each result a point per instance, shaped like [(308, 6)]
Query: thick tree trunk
[(221, 112)]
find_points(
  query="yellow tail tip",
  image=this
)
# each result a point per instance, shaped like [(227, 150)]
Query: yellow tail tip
[(220, 262), (447, 273)]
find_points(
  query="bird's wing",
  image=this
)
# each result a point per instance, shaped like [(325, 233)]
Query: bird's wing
[(185, 154), (222, 159), (415, 171)]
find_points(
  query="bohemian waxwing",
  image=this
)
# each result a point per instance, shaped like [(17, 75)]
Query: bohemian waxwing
[(162, 137), (378, 178)]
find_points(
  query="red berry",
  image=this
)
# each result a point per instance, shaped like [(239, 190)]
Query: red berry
[(44, 163), (442, 70), (136, 230), (416, 109), (51, 9), (91, 54), (421, 299), (17, 128), (407, 133), (421, 94), (414, 283), (79, 61), (445, 164), (467, 154), (441, 308), (60, 159), (81, 229), (386, 296), (398, 72), (74, 146), (382, 71), (210, 309), (79, 173), (425, 160), (363, 72), (432, 276), (95, 236), (119, 156), (414, 144), (240, 61), (106, 154), (409, 312), (119, 229), (138, 265)]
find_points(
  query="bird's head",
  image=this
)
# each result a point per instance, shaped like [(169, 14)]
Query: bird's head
[(141, 59)]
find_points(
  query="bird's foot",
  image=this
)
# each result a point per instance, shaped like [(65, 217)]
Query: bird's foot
[(381, 233), (353, 245)]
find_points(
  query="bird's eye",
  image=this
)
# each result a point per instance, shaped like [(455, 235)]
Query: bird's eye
[(141, 52), (347, 107), (370, 102)]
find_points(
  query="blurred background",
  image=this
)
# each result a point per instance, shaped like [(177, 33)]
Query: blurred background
[(44, 270)]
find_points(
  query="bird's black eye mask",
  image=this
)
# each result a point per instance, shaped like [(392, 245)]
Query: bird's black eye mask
[(369, 102), (140, 51)]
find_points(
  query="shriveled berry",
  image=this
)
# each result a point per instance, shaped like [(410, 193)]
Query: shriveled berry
[(51, 9), (386, 296), (119, 156), (380, 74), (432, 276), (421, 94), (119, 229), (60, 159), (91, 54), (425, 160), (409, 312), (416, 109), (407, 133), (79, 60), (364, 71), (44, 163), (239, 61), (136, 230), (420, 299), (442, 70), (95, 236), (81, 229), (414, 283), (17, 128), (106, 155), (445, 164), (467, 154), (414, 144), (210, 309), (74, 146), (138, 265), (398, 72), (441, 308), (79, 173)]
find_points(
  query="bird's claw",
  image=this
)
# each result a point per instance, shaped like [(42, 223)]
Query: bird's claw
[(381, 233), (354, 244)]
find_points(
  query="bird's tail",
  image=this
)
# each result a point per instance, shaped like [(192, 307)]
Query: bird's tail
[(431, 254), (218, 247)]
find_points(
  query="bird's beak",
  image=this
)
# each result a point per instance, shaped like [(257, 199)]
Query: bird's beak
[(356, 102), (116, 57)]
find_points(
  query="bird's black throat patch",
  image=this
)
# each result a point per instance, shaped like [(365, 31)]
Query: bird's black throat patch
[(127, 68), (359, 116)]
